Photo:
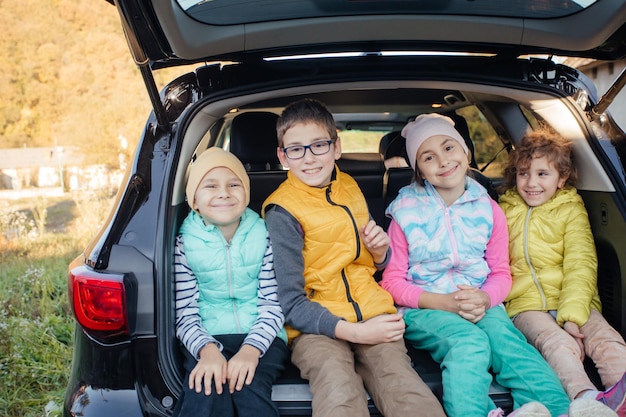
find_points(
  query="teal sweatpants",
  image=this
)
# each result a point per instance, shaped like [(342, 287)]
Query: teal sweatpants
[(466, 352)]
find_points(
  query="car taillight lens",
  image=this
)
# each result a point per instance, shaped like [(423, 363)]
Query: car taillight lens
[(99, 300)]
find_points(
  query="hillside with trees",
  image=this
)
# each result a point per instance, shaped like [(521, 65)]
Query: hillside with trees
[(67, 79)]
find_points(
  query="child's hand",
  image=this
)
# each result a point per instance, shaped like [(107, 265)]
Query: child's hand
[(380, 329), (211, 366), (241, 367), (472, 303), (376, 240), (574, 331), (473, 315)]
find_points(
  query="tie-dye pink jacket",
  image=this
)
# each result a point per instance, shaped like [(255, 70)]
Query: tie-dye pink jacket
[(464, 243)]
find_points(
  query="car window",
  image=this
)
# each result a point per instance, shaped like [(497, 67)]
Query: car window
[(234, 12), (489, 150), (356, 140)]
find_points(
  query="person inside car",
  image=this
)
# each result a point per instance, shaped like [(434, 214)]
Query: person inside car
[(449, 272), (345, 333), (227, 314), (554, 300)]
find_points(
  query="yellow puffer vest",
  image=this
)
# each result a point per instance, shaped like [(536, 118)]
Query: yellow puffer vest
[(338, 269), (553, 257)]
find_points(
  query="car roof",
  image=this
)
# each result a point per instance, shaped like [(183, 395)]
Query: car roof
[(179, 32)]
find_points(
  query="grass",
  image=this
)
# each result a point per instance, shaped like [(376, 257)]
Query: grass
[(40, 236)]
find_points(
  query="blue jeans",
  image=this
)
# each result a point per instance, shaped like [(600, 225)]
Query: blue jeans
[(467, 351), (253, 400)]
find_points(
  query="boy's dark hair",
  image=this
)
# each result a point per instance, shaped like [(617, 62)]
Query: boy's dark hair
[(305, 111), (537, 144)]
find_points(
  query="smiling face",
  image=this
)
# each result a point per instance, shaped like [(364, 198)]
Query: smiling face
[(442, 161), (221, 200), (539, 182), (313, 170)]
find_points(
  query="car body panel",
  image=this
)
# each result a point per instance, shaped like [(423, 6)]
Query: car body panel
[(161, 34), (139, 374), (182, 38)]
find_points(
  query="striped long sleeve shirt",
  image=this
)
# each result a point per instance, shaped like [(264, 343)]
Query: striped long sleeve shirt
[(189, 329)]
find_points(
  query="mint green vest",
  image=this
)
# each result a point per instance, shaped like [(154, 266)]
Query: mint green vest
[(227, 274)]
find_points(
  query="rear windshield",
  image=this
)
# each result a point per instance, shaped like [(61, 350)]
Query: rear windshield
[(232, 12)]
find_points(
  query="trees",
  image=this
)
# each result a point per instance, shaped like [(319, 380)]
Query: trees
[(67, 78)]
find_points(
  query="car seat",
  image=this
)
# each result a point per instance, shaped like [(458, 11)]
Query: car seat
[(254, 141)]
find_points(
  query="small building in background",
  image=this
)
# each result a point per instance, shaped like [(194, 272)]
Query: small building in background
[(62, 168), (37, 167)]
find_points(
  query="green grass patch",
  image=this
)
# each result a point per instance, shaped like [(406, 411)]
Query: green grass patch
[(36, 324)]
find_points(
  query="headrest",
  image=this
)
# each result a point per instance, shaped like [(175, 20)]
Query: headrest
[(396, 147), (253, 140), (386, 140), (361, 163)]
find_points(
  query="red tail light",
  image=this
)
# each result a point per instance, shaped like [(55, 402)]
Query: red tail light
[(99, 300)]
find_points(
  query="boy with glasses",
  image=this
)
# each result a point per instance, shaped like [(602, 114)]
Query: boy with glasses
[(344, 331)]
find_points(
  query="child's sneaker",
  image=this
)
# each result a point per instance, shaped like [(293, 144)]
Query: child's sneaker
[(615, 397), (531, 409), (586, 407)]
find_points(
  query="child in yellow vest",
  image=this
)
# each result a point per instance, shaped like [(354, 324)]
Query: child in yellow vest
[(344, 330)]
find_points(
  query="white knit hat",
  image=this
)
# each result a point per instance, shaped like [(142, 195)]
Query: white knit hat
[(212, 158), (426, 126)]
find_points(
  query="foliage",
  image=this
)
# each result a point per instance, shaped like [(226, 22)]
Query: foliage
[(36, 323), (40, 213), (67, 79), (488, 145), (15, 223)]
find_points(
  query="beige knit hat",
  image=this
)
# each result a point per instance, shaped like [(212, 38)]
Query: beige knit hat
[(426, 126), (212, 158)]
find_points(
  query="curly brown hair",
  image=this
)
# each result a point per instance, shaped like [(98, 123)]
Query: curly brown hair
[(537, 144)]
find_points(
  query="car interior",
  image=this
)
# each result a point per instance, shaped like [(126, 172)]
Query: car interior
[(246, 126)]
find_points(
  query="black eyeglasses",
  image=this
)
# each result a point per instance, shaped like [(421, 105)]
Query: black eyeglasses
[(317, 148)]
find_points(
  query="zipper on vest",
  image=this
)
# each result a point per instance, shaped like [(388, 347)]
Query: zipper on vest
[(453, 243), (354, 226), (231, 291), (530, 265), (355, 305), (344, 278)]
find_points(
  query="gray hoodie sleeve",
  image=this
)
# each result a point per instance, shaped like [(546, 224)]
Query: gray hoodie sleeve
[(288, 241)]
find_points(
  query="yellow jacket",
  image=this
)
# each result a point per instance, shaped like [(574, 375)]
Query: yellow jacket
[(553, 257), (338, 269)]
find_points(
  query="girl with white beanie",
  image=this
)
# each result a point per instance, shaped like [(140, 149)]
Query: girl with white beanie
[(449, 274)]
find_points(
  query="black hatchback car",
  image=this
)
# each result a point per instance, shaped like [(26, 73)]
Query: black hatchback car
[(377, 64)]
